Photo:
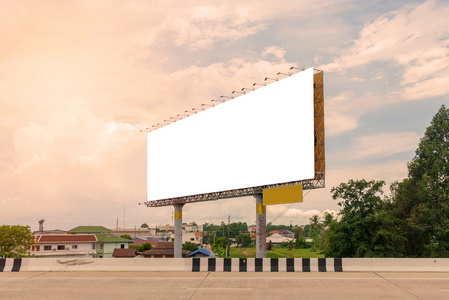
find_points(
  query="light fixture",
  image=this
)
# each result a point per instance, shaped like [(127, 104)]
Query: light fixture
[(241, 92), (286, 74), (251, 89)]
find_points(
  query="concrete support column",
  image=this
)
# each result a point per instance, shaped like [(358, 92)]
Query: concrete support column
[(178, 231), (261, 227)]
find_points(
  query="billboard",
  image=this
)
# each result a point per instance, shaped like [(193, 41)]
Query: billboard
[(260, 138)]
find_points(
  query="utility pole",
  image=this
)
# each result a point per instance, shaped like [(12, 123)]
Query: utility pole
[(229, 220), (227, 248)]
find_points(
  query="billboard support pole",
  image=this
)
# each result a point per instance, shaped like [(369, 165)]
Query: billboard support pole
[(261, 227), (177, 253)]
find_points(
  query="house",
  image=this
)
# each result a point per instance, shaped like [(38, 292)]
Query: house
[(189, 236), (64, 245), (163, 250), (200, 253), (107, 243), (277, 239), (252, 231), (288, 233), (274, 232), (127, 253)]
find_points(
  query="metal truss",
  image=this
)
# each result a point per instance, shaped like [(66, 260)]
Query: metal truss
[(317, 182), (307, 185)]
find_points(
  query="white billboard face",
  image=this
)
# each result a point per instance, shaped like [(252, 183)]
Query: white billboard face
[(260, 138)]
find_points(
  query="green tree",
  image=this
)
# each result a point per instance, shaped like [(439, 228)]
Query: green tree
[(189, 246), (220, 246), (247, 241), (15, 241), (366, 228), (144, 247), (328, 218), (406, 205), (299, 237), (314, 227), (144, 225), (429, 172), (126, 236), (222, 242), (360, 197)]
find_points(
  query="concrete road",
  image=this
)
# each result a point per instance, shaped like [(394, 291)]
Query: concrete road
[(205, 285)]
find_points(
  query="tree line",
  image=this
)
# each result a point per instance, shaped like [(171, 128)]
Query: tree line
[(413, 221)]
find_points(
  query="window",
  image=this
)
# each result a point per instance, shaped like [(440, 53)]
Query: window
[(122, 246), (192, 239), (74, 246), (47, 247), (61, 247), (38, 248)]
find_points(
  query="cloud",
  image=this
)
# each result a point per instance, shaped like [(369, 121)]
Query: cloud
[(419, 45), (384, 144), (75, 138), (344, 110)]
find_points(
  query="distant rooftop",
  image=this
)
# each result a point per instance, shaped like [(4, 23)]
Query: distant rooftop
[(201, 250), (89, 229), (124, 253), (105, 238), (67, 238)]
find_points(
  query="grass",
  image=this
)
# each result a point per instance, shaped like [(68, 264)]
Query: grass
[(276, 252)]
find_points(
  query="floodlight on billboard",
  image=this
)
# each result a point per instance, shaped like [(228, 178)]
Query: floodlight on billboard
[(263, 137)]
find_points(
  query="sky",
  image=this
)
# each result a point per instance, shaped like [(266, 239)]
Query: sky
[(79, 80)]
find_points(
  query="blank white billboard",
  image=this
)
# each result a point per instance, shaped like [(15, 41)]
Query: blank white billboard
[(263, 137)]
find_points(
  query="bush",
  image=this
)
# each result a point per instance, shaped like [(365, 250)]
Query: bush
[(189, 246), (301, 243)]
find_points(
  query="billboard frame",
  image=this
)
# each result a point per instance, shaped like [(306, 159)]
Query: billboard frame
[(319, 155)]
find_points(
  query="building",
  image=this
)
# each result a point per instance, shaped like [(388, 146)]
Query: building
[(193, 237), (277, 239), (200, 253), (252, 231), (107, 243), (192, 227), (64, 245), (166, 227), (288, 233), (163, 250)]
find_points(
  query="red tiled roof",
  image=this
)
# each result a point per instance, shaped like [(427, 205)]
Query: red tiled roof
[(124, 252), (67, 238), (165, 245), (198, 234)]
